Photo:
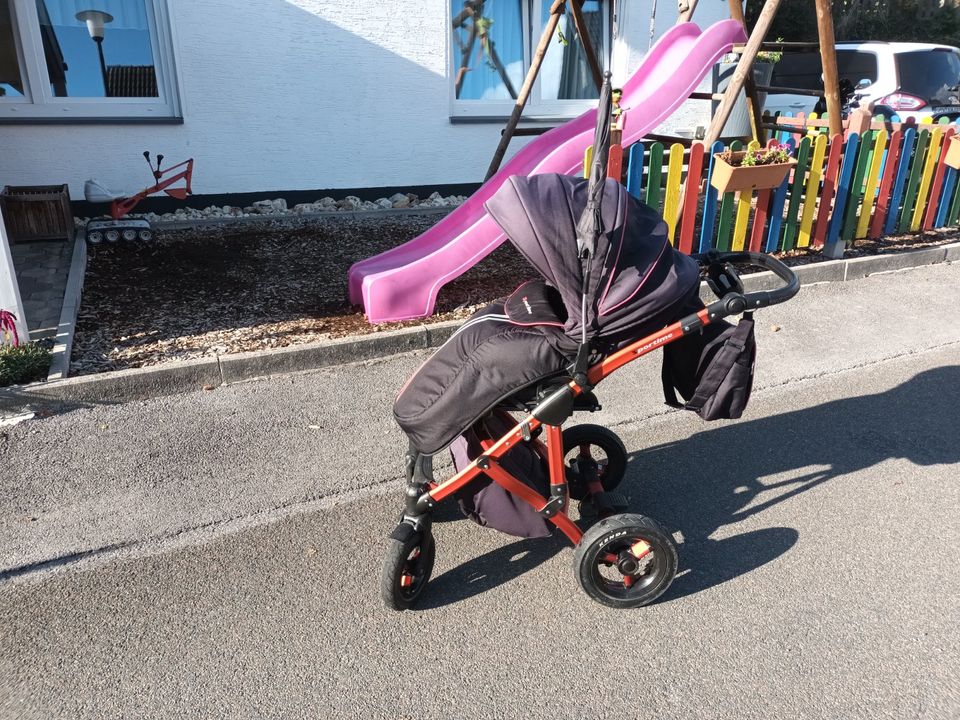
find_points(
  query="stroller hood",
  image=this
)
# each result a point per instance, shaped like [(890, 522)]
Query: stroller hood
[(634, 274)]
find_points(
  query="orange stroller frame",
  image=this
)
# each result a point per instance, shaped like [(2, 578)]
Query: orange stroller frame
[(625, 559)]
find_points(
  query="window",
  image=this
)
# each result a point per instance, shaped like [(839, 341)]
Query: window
[(856, 65), (492, 42), (85, 59), (930, 74)]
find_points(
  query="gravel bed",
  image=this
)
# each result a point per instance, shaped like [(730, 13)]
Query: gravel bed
[(217, 290)]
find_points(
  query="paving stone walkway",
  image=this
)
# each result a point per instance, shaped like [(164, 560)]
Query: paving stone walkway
[(42, 269)]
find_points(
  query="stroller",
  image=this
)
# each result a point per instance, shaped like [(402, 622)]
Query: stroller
[(613, 289)]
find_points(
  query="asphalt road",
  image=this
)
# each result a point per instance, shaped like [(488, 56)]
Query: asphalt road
[(216, 555)]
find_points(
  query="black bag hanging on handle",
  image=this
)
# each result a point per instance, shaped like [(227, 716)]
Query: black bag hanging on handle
[(712, 370)]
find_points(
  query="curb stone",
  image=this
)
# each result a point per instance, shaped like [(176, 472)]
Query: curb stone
[(190, 375), (63, 344)]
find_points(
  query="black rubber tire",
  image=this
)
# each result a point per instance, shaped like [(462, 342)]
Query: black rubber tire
[(612, 446), (613, 535), (398, 561)]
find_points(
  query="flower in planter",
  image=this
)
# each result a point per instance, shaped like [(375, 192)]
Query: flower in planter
[(774, 155), (8, 329)]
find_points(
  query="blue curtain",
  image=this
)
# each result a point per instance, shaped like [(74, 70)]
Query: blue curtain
[(496, 50)]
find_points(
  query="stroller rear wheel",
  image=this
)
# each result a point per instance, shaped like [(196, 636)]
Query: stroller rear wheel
[(589, 451), (407, 567), (625, 561)]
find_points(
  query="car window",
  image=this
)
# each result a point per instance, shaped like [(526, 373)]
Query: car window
[(798, 70), (854, 65), (928, 73)]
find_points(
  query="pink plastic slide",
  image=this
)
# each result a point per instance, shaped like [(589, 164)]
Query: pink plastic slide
[(402, 283)]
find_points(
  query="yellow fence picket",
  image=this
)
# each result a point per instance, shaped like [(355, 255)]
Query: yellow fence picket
[(671, 202), (812, 190), (743, 211), (873, 180), (933, 155), (587, 159)]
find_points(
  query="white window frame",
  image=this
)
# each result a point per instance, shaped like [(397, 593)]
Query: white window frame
[(536, 108), (38, 104)]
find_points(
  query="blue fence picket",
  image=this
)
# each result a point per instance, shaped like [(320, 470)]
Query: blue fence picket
[(844, 187), (635, 170), (709, 205), (777, 202), (906, 153)]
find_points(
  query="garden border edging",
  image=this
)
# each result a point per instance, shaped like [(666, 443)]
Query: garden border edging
[(170, 379)]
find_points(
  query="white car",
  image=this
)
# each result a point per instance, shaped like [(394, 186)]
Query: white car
[(914, 80)]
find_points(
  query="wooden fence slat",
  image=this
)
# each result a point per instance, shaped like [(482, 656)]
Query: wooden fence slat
[(587, 159), (691, 195), (856, 187), (776, 210), (826, 193), (954, 206), (743, 210), (934, 203), (926, 178), (671, 202), (949, 183), (850, 157), (615, 162), (913, 183), (709, 204), (635, 170), (654, 175), (725, 221), (796, 192), (873, 180), (906, 153), (760, 220), (890, 163), (813, 187)]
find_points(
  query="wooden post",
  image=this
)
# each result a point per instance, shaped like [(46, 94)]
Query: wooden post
[(686, 8), (585, 41), (555, 11), (828, 57), (744, 68), (754, 109)]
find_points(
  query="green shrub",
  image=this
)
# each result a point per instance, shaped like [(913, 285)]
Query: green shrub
[(23, 364)]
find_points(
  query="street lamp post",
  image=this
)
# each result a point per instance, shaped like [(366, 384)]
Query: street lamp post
[(96, 20)]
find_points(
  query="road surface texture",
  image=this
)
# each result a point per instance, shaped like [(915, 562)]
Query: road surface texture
[(217, 554)]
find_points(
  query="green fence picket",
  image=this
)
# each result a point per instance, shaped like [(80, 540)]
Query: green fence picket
[(725, 224), (654, 175), (796, 193), (856, 188), (913, 184)]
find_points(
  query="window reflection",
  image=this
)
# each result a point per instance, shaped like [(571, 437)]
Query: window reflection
[(97, 48), (487, 49), (566, 75), (11, 80)]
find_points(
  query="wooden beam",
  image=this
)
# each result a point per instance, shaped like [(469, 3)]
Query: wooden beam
[(556, 10), (828, 58), (754, 110), (686, 8), (744, 68)]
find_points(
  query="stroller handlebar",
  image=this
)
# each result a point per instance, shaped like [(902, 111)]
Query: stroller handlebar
[(733, 300)]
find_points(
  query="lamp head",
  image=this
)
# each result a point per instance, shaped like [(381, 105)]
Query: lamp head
[(95, 20)]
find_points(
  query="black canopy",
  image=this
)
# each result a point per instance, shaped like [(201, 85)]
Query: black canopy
[(633, 278)]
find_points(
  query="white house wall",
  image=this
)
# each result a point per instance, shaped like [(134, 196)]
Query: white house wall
[(299, 95)]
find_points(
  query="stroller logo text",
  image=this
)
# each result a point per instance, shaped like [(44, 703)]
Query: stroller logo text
[(654, 343), (527, 305)]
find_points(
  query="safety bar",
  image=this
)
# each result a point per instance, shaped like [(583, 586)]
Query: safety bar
[(734, 303)]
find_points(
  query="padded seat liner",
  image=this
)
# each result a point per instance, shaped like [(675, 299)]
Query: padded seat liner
[(489, 358)]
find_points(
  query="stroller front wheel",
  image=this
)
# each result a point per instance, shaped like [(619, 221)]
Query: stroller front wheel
[(407, 568), (625, 561)]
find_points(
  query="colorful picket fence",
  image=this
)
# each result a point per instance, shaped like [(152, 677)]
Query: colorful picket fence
[(883, 181)]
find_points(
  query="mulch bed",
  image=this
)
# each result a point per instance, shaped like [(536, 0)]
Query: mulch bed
[(229, 289)]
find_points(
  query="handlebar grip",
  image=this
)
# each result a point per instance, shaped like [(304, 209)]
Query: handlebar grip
[(731, 304)]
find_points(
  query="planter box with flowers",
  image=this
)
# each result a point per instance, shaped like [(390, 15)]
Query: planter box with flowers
[(761, 169)]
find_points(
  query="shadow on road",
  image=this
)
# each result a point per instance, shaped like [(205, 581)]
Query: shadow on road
[(725, 474)]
